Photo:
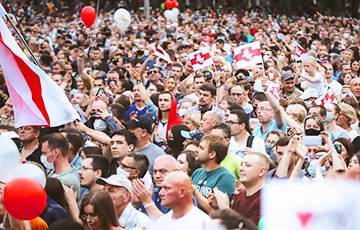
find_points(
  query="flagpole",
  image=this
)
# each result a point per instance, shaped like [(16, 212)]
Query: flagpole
[(22, 39)]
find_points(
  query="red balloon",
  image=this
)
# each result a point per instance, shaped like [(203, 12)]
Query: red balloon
[(24, 198), (88, 16), (169, 4), (175, 3)]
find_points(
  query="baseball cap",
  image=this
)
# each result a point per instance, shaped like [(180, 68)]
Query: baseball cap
[(308, 93), (287, 75), (195, 135), (116, 180), (144, 122)]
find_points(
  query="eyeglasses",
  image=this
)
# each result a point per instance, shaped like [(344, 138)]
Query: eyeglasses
[(27, 129), (83, 168), (263, 109), (236, 94), (124, 166), (232, 122), (153, 72)]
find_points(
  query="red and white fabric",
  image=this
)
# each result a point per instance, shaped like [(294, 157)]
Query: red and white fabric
[(162, 54), (200, 59), (298, 49), (248, 55), (329, 97), (37, 99)]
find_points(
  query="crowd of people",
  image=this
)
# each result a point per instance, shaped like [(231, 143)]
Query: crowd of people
[(159, 145)]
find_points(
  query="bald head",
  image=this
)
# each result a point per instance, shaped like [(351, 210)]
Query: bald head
[(168, 160), (163, 165), (176, 191)]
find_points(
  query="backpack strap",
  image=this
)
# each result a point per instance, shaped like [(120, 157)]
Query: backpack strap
[(249, 141)]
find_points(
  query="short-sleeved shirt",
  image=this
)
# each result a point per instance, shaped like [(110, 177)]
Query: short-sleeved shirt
[(232, 163), (194, 219), (70, 178), (219, 178), (273, 125), (151, 151), (248, 206)]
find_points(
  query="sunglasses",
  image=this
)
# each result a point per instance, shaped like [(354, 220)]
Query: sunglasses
[(153, 72)]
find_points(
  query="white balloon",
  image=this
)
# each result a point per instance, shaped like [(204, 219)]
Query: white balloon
[(172, 15), (167, 14), (176, 11), (31, 171), (122, 19), (9, 158)]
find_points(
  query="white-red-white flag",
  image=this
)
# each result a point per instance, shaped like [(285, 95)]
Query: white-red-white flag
[(37, 99), (161, 53), (248, 55), (298, 49), (200, 59)]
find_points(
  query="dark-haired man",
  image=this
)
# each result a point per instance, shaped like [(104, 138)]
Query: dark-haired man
[(207, 94), (212, 150), (55, 150)]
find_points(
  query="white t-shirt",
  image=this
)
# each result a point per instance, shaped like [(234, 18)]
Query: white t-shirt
[(258, 145), (318, 85), (336, 87), (193, 220)]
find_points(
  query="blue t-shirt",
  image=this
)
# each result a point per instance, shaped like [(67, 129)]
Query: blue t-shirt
[(273, 125)]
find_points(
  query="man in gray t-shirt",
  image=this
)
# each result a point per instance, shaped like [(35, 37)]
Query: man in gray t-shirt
[(142, 127)]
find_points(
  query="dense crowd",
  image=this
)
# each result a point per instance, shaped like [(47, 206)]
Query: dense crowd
[(159, 145)]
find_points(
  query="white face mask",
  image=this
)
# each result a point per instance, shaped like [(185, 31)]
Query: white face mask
[(46, 163), (313, 47), (113, 48), (122, 172), (99, 125)]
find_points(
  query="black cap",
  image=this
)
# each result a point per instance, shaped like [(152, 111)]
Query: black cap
[(144, 122)]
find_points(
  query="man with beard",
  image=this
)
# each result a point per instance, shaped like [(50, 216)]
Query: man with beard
[(212, 150), (288, 91), (142, 105), (207, 93), (167, 117)]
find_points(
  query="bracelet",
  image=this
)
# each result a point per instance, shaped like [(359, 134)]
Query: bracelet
[(148, 205)]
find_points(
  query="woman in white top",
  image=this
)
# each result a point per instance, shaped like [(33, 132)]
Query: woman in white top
[(346, 118), (312, 77)]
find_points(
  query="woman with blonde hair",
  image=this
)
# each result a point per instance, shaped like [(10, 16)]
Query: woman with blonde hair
[(346, 118), (297, 112), (312, 77)]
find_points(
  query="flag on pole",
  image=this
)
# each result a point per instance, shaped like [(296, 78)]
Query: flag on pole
[(162, 54), (298, 49), (37, 100), (248, 54), (200, 59)]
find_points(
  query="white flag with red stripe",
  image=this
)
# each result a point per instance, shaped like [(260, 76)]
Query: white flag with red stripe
[(200, 59), (37, 100), (248, 55), (329, 97), (161, 53), (298, 50)]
